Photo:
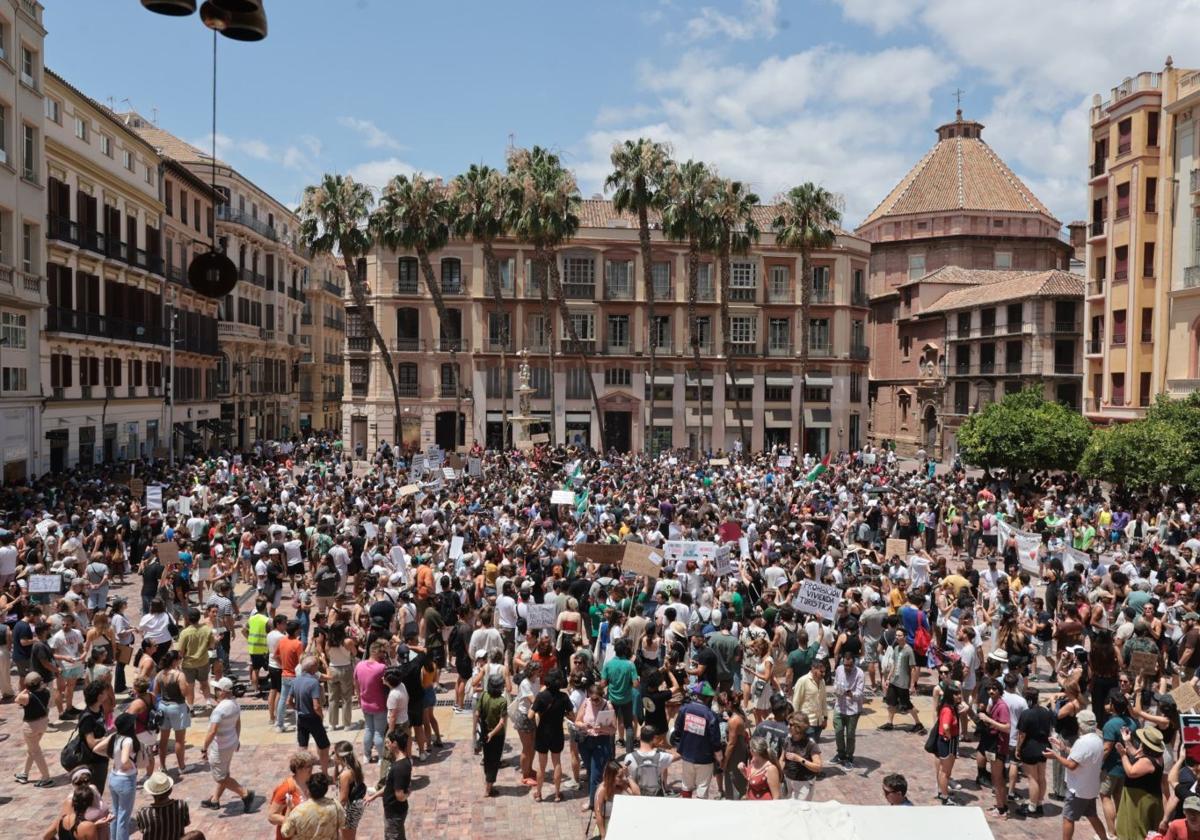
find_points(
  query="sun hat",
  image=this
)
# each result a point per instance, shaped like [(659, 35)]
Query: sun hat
[(158, 784), (1000, 655), (1151, 737)]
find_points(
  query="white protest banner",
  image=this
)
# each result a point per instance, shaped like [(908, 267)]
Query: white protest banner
[(1071, 556), (722, 561), (784, 462), (562, 497), (541, 616), (744, 546), (475, 467), (540, 437), (45, 584), (456, 547), (449, 473), (185, 505), (1027, 545), (818, 599), (690, 550), (154, 499), (400, 561), (371, 530), (718, 462)]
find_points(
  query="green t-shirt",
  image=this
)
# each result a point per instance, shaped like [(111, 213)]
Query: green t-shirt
[(193, 643), (801, 659), (619, 674), (596, 616), (739, 605)]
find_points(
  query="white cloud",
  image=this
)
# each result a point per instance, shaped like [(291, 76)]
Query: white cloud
[(881, 15), (237, 150), (373, 136), (758, 19), (376, 173)]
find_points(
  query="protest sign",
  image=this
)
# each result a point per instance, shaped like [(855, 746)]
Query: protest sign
[(722, 561), (45, 584), (1072, 556), (896, 548), (641, 559), (185, 505), (1190, 726), (718, 462), (453, 459), (729, 532), (450, 473), (562, 497), (541, 437), (1143, 662), (408, 490), (784, 462), (542, 616), (168, 553), (136, 488), (744, 548), (1186, 698), (154, 500), (456, 547), (475, 467), (371, 530), (602, 553), (400, 561), (1027, 545), (817, 599)]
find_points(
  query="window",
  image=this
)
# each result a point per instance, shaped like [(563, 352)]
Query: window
[(618, 377), (12, 330), (1152, 128), (618, 279), (781, 283), (1147, 324), (495, 385), (1148, 259), (53, 110), (579, 272), (539, 379), (660, 274), (1118, 389), (1118, 326), (127, 158), (779, 335), (3, 134), (533, 284), (821, 289), (538, 335), (169, 198), (28, 66), (13, 379), (61, 370), (506, 270), (29, 164), (1014, 317), (449, 379), (1151, 195), (704, 282), (704, 333), (1124, 135), (1013, 353), (406, 276), (777, 393), (818, 335), (660, 332), (584, 324), (183, 206), (578, 384), (916, 266), (618, 332), (858, 335), (855, 386), (1003, 259), (406, 377), (816, 394), (743, 329), (743, 281), (1121, 268), (28, 248), (498, 329), (3, 40), (106, 145), (81, 128), (1122, 200), (150, 180), (964, 325)]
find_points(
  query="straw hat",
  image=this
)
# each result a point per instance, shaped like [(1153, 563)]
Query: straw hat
[(1151, 738), (158, 784)]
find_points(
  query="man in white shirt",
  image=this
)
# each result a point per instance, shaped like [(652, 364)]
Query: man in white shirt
[(1016, 707), (1082, 768), (8, 560)]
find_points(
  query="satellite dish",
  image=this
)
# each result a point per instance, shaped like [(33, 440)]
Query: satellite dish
[(212, 274)]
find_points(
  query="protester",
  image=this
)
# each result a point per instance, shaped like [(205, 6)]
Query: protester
[(164, 818)]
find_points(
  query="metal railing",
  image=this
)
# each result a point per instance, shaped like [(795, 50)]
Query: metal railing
[(819, 349), (618, 291), (860, 351), (333, 358), (407, 287), (1096, 287), (1191, 277), (1067, 326), (358, 343), (495, 345), (452, 287), (59, 319), (225, 213), (407, 345), (1097, 168), (822, 295), (859, 297), (778, 349), (333, 288), (743, 348), (448, 345), (1094, 346), (579, 291), (1096, 228), (776, 294), (408, 389), (358, 389), (743, 294), (253, 278), (335, 323), (580, 346), (306, 318)]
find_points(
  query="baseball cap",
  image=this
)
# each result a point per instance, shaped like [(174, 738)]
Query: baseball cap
[(1192, 803), (223, 684)]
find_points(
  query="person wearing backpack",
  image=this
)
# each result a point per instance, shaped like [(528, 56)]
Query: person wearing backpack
[(648, 764)]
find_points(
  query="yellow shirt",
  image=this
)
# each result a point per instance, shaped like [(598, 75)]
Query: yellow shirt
[(808, 697), (896, 600)]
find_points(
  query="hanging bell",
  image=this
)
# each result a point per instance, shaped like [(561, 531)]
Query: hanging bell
[(240, 26), (174, 8), (212, 274), (238, 6)]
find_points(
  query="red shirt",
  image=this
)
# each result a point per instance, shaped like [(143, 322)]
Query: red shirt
[(289, 795), (948, 722), (288, 652), (1178, 830)]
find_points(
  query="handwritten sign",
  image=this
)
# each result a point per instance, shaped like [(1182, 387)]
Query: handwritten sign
[(1143, 662), (168, 553), (1186, 698), (449, 473), (817, 599), (154, 500), (541, 616), (456, 547), (453, 459), (540, 437), (744, 547), (784, 462), (718, 462), (722, 561), (693, 550), (45, 584), (642, 560), (562, 497), (409, 490), (604, 554), (897, 548)]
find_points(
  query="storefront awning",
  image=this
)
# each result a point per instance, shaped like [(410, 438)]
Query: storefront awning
[(819, 380), (779, 381), (664, 379), (778, 419), (743, 379)]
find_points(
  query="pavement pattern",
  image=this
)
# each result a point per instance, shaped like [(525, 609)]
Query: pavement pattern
[(447, 800)]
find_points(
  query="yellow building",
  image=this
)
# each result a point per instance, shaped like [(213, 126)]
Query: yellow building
[(1138, 191), (322, 342), (1181, 234)]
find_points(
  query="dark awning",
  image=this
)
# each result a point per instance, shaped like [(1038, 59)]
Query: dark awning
[(186, 433)]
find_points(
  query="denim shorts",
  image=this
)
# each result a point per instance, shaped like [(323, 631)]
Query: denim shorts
[(176, 716)]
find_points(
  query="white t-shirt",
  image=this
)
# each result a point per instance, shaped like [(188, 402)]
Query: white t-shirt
[(272, 645), (225, 718), (8, 560), (506, 612), (397, 701), (1016, 707), (67, 643), (156, 627), (1084, 781)]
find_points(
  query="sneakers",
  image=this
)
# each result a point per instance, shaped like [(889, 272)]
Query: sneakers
[(947, 800), (997, 813), (982, 780), (209, 804), (247, 801), (919, 729), (887, 727)]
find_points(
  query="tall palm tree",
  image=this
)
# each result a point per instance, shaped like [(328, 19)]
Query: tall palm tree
[(414, 215), (547, 216), (334, 216), (806, 219), (639, 167), (733, 208), (687, 218), (479, 201)]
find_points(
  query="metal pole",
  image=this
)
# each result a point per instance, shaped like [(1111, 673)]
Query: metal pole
[(171, 394)]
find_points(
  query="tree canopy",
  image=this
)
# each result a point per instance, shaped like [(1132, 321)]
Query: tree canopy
[(1024, 432), (1160, 449)]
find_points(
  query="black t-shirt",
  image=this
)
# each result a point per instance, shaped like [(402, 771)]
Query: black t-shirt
[(776, 732), (22, 630), (91, 723), (552, 707), (399, 778), (151, 578), (262, 513), (384, 608), (1037, 723), (707, 658), (654, 707), (41, 659)]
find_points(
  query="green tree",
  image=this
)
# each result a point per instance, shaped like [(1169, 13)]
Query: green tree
[(735, 230), (687, 217), (482, 209), (639, 168), (334, 216), (1024, 432), (546, 215), (806, 220), (1141, 455)]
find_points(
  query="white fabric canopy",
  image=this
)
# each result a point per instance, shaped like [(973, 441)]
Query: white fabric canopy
[(636, 818)]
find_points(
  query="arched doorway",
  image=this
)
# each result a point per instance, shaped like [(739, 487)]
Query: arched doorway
[(929, 428), (444, 429)]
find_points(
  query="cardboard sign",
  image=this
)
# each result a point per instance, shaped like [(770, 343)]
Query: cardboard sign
[(562, 497), (1186, 698), (453, 459), (168, 553), (1143, 662), (1190, 726), (540, 437), (154, 500), (408, 490), (817, 599), (360, 469), (541, 616), (456, 547), (475, 467), (642, 560), (604, 554), (45, 584), (136, 487), (718, 462), (896, 548)]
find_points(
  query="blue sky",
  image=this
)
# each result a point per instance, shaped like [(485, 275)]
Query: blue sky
[(843, 92)]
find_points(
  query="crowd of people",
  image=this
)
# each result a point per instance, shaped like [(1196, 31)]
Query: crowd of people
[(1052, 623)]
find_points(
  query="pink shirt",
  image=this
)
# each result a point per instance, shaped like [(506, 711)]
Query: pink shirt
[(372, 693)]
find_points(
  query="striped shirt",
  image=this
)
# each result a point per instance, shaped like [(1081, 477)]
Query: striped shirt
[(165, 821)]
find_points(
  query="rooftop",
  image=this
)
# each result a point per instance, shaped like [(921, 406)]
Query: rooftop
[(1003, 286), (600, 213), (960, 172)]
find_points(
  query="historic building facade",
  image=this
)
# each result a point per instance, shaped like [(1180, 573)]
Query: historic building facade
[(322, 344), (959, 206), (456, 368)]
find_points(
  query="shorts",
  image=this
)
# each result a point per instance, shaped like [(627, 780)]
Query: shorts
[(176, 716), (307, 725), (1112, 786), (947, 747), (624, 712), (276, 676), (354, 812), (258, 662), (1044, 647), (898, 698), (197, 675), (219, 761), (98, 599), (1075, 809), (429, 697), (74, 672)]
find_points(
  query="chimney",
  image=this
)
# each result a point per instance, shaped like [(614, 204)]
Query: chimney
[(1078, 231)]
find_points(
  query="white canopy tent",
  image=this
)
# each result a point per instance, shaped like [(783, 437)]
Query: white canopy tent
[(639, 817)]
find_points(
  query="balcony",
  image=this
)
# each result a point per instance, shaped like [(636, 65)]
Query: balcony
[(358, 343), (987, 329), (581, 346), (1120, 275), (781, 294), (1182, 387), (618, 291), (1097, 168), (253, 278), (662, 291), (743, 349), (705, 293), (333, 289), (822, 296), (225, 213), (291, 339), (779, 349), (743, 294), (358, 389), (860, 351), (19, 284), (62, 229), (408, 389), (176, 274), (1191, 277), (1097, 228), (306, 396), (987, 367), (1067, 327), (452, 286), (450, 345), (579, 291), (335, 323), (296, 294), (858, 297), (405, 345), (1012, 365), (1095, 288), (306, 318), (506, 288), (102, 326), (618, 348), (407, 286), (495, 345), (1195, 181), (1094, 347), (820, 349), (231, 330)]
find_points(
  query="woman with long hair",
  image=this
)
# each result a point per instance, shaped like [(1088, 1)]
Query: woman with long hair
[(1066, 707), (140, 706), (616, 781), (73, 825), (123, 747), (765, 684), (571, 629), (530, 685), (1105, 664), (761, 772), (352, 786), (171, 687), (549, 710), (945, 739), (34, 701), (737, 743)]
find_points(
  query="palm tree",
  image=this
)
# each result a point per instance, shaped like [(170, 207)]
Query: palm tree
[(479, 201), (806, 218), (334, 216), (414, 215), (639, 167), (733, 208), (546, 215), (687, 217)]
